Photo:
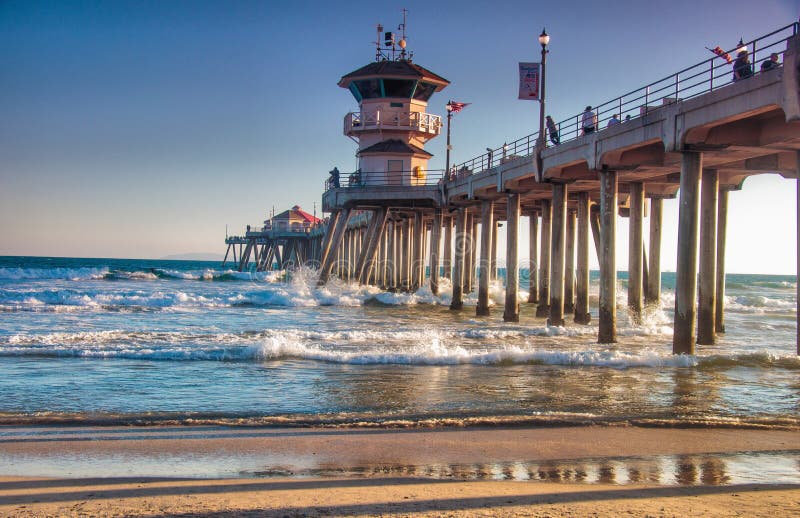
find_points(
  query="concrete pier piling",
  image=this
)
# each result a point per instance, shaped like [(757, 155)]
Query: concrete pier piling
[(582, 315), (473, 253), (557, 254), (417, 265), (635, 245), (707, 278), (722, 225), (447, 252), (493, 266), (533, 251), (487, 229), (569, 264), (457, 301), (607, 313), (653, 288), (436, 233), (684, 337), (511, 310), (543, 309)]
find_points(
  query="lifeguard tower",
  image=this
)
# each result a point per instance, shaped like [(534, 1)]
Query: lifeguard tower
[(391, 126), (392, 182)]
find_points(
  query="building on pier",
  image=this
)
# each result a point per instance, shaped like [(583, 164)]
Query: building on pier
[(285, 241)]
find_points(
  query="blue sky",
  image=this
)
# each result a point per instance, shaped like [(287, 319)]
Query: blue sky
[(139, 129)]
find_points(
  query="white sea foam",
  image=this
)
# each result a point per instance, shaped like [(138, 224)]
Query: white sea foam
[(72, 274), (426, 347)]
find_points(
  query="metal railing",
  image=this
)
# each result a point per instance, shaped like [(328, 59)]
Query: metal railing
[(701, 78), (414, 121), (404, 179)]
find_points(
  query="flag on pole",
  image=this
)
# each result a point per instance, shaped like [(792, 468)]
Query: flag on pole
[(721, 53), (456, 107), (529, 74)]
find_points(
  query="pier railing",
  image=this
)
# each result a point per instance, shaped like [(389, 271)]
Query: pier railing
[(413, 121), (361, 179), (701, 78)]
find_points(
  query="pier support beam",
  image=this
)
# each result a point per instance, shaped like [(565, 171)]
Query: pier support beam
[(493, 266), (511, 312), (608, 260), (457, 302), (557, 255), (405, 254), (447, 253), (569, 265), (635, 244), (334, 244), (473, 253), (485, 266), (533, 265), (653, 291), (582, 315), (370, 248), (436, 233), (683, 339), (722, 227), (543, 309), (707, 279), (417, 264)]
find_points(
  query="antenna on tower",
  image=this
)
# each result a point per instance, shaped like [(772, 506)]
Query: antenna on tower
[(378, 54), (402, 29)]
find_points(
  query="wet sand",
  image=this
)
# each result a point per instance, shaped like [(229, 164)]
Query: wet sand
[(458, 472)]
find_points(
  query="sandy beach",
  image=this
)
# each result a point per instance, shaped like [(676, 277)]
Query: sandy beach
[(576, 471)]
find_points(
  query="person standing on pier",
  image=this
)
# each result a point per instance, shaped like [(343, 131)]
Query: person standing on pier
[(741, 67), (553, 131), (588, 121), (613, 121), (334, 177)]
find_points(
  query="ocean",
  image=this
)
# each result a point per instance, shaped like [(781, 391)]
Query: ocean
[(117, 341)]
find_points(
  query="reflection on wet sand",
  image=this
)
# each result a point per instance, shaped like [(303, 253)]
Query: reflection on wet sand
[(687, 470)]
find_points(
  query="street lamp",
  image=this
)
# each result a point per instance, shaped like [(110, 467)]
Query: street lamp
[(544, 39)]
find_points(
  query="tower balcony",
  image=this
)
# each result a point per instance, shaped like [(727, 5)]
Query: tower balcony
[(428, 124)]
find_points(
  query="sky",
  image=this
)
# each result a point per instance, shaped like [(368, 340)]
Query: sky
[(142, 128)]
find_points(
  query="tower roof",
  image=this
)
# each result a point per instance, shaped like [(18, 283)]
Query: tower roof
[(394, 69), (296, 213), (394, 146)]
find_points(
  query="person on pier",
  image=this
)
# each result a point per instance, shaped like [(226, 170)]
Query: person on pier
[(334, 177), (771, 63), (613, 121), (588, 121), (553, 131), (741, 67)]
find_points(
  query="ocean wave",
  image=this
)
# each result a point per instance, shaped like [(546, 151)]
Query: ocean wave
[(427, 347), (759, 304), (70, 274)]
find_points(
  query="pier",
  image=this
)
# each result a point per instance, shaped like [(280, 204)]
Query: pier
[(695, 134)]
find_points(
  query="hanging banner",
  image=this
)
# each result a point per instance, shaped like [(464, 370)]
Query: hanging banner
[(529, 81)]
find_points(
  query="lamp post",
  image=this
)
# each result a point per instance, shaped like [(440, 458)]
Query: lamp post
[(544, 39), (449, 108)]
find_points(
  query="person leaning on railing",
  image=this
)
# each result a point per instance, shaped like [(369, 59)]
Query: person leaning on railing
[(770, 63)]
